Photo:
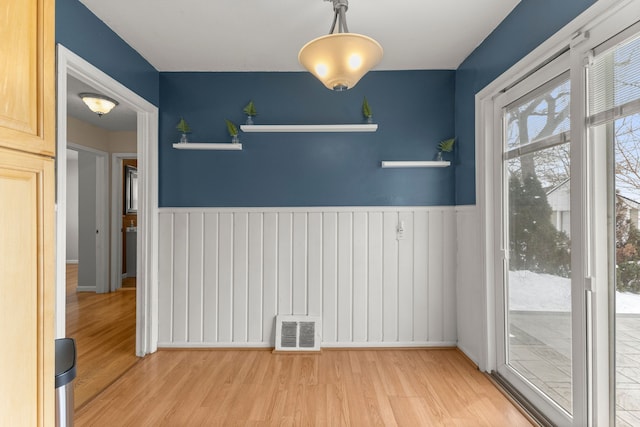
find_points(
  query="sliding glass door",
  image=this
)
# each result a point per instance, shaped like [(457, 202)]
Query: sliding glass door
[(614, 130), (561, 178), (536, 305)]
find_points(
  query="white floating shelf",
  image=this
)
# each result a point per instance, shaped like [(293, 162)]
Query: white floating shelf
[(414, 164), (206, 146), (310, 128)]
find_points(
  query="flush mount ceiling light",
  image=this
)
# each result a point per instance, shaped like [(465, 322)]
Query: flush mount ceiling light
[(99, 104), (340, 60)]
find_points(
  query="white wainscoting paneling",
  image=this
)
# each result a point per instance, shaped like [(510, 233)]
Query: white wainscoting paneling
[(225, 273), (470, 285)]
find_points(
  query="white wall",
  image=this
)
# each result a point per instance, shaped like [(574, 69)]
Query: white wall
[(225, 273), (72, 206)]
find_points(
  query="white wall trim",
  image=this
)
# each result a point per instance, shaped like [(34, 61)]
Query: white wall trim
[(147, 139), (72, 261), (86, 289), (328, 345), (314, 209)]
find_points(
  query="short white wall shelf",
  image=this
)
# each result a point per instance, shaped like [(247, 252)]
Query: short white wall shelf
[(206, 146), (415, 164), (310, 128)]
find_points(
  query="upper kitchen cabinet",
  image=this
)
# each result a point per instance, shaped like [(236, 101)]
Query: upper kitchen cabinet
[(27, 76)]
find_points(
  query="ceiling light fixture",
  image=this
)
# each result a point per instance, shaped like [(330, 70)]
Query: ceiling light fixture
[(99, 104), (340, 60)]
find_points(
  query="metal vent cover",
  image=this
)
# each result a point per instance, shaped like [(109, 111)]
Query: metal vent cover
[(298, 333)]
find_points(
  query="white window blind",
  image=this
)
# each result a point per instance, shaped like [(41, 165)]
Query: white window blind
[(614, 83)]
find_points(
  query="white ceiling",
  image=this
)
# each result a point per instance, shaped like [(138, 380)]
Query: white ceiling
[(258, 35)]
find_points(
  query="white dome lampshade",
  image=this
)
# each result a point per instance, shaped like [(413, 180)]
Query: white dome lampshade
[(340, 60), (99, 104)]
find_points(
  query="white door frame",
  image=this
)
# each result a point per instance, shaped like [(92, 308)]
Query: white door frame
[(102, 217), (70, 64), (116, 217)]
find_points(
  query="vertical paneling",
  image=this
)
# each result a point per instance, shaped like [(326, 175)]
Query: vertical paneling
[(420, 276), (330, 277), (449, 278), (345, 278), (211, 260), (375, 270), (195, 270), (255, 318), (225, 278), (225, 274), (468, 278), (270, 276), (165, 278), (360, 291), (180, 276), (299, 274), (405, 278), (436, 245), (390, 277), (285, 225), (240, 295), (315, 263)]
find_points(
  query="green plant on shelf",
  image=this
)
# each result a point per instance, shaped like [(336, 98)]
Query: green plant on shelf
[(445, 146), (184, 128), (366, 110), (250, 111), (233, 131)]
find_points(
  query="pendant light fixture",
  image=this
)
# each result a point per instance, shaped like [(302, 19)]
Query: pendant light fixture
[(99, 104), (339, 60)]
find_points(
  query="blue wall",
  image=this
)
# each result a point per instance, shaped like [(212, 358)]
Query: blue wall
[(80, 31), (414, 110), (526, 27)]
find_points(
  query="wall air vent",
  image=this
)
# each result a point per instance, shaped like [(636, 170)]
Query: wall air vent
[(298, 333)]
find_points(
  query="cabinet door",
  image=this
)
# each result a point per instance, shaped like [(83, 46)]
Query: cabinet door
[(26, 289), (27, 75)]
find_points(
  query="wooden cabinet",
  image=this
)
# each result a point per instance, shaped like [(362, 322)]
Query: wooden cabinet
[(27, 73), (27, 265), (27, 258)]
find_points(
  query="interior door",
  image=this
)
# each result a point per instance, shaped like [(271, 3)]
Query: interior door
[(27, 141), (536, 349)]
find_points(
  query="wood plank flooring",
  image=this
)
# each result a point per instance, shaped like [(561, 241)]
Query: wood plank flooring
[(336, 387), (103, 326)]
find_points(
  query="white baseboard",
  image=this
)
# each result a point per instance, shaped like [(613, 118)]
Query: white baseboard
[(86, 289), (72, 261)]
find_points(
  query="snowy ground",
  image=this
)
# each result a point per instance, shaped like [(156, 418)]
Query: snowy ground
[(544, 292)]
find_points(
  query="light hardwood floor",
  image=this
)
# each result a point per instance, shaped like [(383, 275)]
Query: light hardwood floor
[(336, 387), (103, 326)]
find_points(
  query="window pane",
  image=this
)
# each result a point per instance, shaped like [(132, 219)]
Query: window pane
[(538, 284), (615, 79), (626, 133), (539, 287), (539, 116)]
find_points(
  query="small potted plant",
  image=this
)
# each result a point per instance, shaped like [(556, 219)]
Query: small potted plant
[(184, 129), (366, 110), (233, 131), (250, 111), (445, 146)]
